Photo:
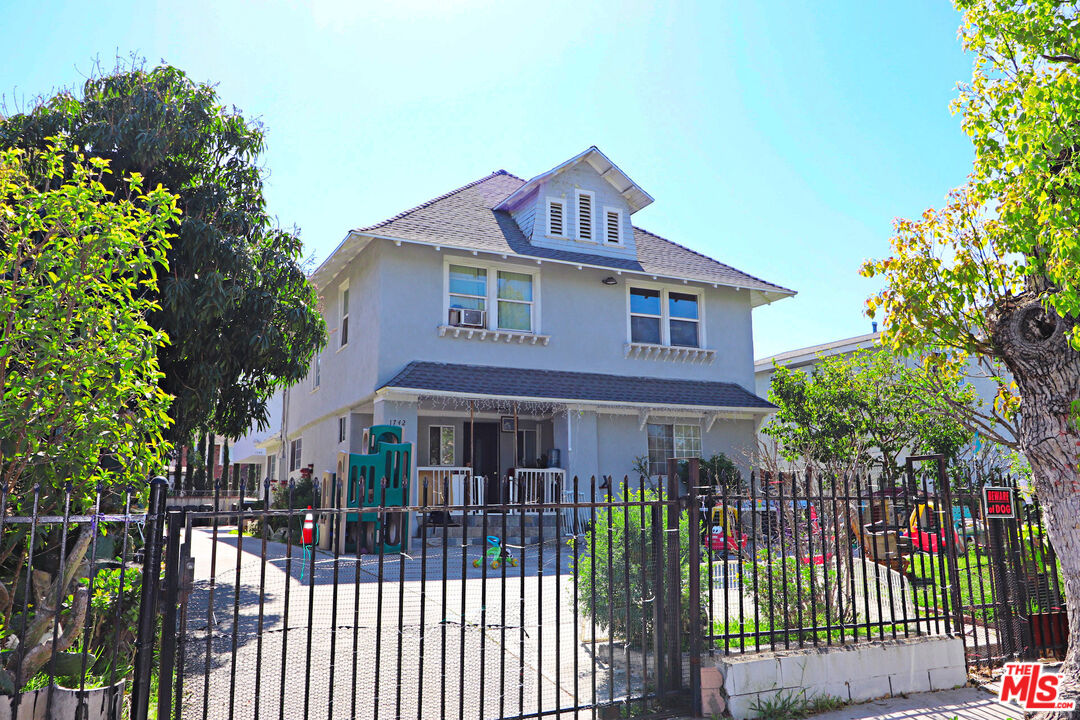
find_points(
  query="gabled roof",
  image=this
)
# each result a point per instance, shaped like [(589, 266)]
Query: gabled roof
[(808, 355), (511, 382), (631, 191), (467, 219)]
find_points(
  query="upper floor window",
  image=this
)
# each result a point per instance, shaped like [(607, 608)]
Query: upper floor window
[(472, 291), (556, 218), (341, 428), (344, 316), (316, 371), (664, 317), (585, 216), (295, 449), (612, 226)]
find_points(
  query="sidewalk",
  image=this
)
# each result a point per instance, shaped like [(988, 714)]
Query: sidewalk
[(965, 703)]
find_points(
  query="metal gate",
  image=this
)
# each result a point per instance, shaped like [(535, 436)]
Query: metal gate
[(565, 602)]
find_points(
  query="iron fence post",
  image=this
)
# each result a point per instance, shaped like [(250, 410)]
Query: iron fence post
[(695, 590), (673, 581), (170, 602), (148, 597)]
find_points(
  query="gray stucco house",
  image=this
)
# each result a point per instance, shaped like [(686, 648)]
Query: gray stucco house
[(526, 327)]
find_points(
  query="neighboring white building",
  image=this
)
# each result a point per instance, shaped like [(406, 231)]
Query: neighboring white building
[(519, 324)]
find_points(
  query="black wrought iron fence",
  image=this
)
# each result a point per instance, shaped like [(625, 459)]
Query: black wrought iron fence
[(71, 623)]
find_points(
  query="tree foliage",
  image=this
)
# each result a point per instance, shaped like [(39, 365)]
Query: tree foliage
[(79, 264), (995, 273), (865, 409), (236, 304)]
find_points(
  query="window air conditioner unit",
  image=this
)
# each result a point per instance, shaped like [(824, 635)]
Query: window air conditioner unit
[(461, 317)]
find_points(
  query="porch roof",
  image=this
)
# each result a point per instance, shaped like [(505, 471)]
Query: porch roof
[(562, 385)]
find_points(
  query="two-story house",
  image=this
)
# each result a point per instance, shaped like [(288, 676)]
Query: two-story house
[(516, 327)]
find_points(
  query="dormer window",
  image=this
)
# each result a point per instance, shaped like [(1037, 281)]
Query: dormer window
[(556, 218), (585, 216), (612, 226)]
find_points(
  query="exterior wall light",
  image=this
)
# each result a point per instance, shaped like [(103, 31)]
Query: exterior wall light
[(610, 281)]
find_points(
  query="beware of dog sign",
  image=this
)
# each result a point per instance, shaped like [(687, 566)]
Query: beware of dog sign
[(999, 502)]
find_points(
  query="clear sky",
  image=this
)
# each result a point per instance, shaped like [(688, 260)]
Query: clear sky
[(779, 137)]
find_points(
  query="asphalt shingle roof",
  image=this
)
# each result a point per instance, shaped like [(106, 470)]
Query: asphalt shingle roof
[(565, 385), (466, 218)]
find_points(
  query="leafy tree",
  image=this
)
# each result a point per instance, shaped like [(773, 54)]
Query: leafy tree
[(78, 365), (238, 309), (995, 274), (866, 408), (82, 406)]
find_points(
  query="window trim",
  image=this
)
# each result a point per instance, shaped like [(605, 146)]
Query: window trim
[(556, 201), (453, 445), (491, 300), (578, 194), (665, 317), (343, 316), (619, 214)]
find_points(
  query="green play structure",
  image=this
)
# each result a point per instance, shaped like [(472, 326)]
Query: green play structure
[(380, 477)]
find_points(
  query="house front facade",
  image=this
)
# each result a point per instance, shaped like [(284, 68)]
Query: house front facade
[(526, 329)]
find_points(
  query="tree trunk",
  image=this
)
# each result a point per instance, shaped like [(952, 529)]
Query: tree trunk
[(1046, 369)]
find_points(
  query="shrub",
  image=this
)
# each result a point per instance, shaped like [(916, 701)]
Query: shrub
[(630, 545)]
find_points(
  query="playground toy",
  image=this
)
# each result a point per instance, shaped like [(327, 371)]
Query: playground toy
[(724, 535), (927, 528), (378, 479), (495, 554)]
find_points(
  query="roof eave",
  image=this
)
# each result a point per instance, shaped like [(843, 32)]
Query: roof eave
[(397, 389), (758, 296)]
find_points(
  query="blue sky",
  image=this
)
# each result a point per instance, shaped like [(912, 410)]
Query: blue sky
[(780, 137)]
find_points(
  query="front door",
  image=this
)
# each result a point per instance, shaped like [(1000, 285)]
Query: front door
[(485, 456)]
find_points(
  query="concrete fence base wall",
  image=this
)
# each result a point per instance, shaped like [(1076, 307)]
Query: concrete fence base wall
[(853, 673)]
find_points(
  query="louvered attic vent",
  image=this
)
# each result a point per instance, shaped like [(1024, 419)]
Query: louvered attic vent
[(612, 227), (585, 229), (555, 219)]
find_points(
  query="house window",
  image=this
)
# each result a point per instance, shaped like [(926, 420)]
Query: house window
[(671, 441), (316, 371), (585, 215), (441, 445), (526, 448), (508, 296), (515, 301), (341, 429), (683, 319), (468, 287), (645, 316), (271, 467), (612, 226), (556, 218), (295, 448), (663, 317), (344, 316)]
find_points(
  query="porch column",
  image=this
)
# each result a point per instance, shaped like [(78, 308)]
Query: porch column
[(403, 414), (575, 437)]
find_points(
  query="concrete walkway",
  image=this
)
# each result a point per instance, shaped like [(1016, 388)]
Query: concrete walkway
[(964, 703)]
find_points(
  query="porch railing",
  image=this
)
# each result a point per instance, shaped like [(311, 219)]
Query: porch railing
[(453, 486), (532, 485)]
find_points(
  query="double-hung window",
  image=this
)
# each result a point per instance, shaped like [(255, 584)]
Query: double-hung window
[(515, 297), (316, 371), (441, 445), (295, 450), (510, 294), (671, 441), (468, 287), (663, 317), (344, 316)]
